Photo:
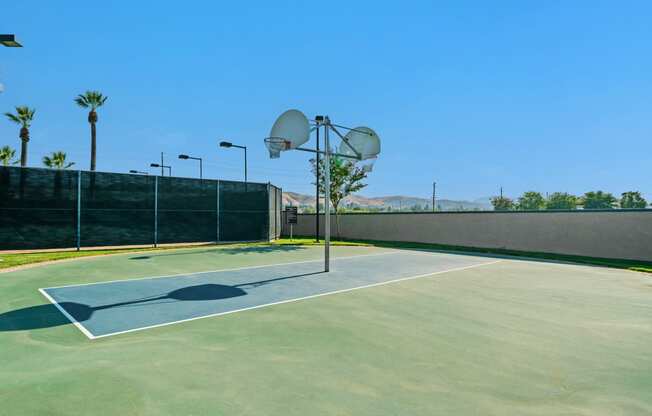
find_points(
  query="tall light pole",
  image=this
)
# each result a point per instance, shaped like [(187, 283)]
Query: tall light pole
[(229, 144), (10, 42), (156, 165), (186, 157)]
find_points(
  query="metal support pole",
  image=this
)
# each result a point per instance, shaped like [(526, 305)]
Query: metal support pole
[(156, 210), (162, 171), (269, 211), (201, 174), (327, 196), (274, 210), (279, 201), (342, 155), (245, 149), (317, 188), (434, 190), (78, 210)]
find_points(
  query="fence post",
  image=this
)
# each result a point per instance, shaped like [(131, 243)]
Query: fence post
[(78, 210), (217, 213), (155, 211), (277, 206), (269, 211)]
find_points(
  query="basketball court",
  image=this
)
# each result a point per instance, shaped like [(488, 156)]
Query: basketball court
[(424, 329), (120, 306)]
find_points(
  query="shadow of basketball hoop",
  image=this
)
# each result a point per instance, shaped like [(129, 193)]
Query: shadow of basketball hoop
[(46, 316)]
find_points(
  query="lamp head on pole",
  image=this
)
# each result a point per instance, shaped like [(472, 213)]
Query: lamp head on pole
[(10, 41)]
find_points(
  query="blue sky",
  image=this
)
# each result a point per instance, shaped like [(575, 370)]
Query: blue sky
[(547, 96)]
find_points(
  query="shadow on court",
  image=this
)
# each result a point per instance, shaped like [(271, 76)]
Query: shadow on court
[(228, 250), (46, 316)]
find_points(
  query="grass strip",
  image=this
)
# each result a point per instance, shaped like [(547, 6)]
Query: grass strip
[(635, 265), (20, 259)]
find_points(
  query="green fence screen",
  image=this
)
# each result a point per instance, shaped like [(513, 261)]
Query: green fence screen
[(45, 208)]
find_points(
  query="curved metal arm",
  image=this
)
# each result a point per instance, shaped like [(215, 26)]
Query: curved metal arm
[(345, 141)]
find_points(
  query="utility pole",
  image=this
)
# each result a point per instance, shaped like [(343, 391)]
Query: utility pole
[(434, 191)]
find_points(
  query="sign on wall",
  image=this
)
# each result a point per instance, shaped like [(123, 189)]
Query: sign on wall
[(291, 215)]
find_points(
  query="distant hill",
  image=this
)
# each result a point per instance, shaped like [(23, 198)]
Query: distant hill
[(393, 203)]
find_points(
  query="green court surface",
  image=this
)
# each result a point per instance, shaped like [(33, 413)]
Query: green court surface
[(506, 337)]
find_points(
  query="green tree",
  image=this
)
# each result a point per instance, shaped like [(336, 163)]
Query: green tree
[(632, 200), (92, 100), (346, 179), (23, 117), (561, 200), (57, 160), (502, 203), (7, 155), (531, 201), (598, 200)]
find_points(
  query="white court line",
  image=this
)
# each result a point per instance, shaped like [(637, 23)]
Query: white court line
[(67, 315), (223, 270), (91, 336)]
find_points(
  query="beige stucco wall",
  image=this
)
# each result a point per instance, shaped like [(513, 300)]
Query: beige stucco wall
[(615, 234)]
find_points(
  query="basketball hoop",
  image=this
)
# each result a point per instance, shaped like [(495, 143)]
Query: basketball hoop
[(360, 145), (368, 165), (276, 145), (290, 130)]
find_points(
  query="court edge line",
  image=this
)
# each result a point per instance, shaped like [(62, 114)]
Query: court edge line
[(297, 299), (224, 270), (79, 326)]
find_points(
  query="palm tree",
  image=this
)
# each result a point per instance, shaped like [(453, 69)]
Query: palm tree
[(7, 156), (24, 116), (57, 161), (92, 100)]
